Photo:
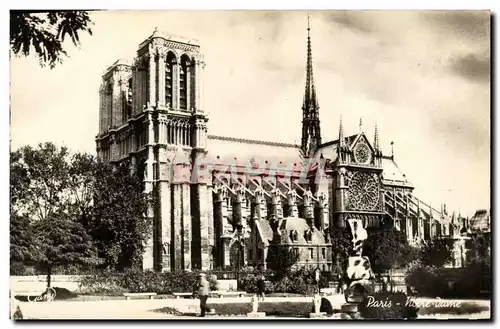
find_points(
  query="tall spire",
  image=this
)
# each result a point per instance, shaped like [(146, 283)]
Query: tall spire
[(310, 107), (310, 91)]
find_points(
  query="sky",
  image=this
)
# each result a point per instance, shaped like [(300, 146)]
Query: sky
[(422, 77)]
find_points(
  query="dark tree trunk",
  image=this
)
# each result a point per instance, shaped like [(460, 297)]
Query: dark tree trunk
[(49, 273)]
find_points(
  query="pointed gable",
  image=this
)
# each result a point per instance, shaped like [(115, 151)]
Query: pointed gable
[(361, 138)]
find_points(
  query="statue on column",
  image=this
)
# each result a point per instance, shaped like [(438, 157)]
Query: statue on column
[(308, 196), (258, 202), (292, 202), (276, 201), (359, 270), (240, 194), (323, 205)]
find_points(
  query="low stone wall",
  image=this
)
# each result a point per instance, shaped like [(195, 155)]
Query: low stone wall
[(228, 284), (71, 282), (39, 282)]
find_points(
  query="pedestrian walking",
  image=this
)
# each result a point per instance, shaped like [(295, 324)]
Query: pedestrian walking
[(202, 289)]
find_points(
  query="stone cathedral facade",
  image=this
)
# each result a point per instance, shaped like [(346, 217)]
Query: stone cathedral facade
[(223, 202)]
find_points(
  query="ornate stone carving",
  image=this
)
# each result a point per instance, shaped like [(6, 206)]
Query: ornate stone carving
[(322, 202), (160, 42), (364, 192), (307, 198), (240, 194), (292, 197)]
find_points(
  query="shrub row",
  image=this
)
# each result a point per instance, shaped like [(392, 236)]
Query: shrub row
[(137, 281), (292, 309), (300, 281), (468, 282)]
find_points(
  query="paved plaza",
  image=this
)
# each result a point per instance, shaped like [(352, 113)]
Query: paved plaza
[(131, 309), (145, 309)]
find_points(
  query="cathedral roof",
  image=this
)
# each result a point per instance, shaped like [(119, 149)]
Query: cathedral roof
[(392, 172), (264, 230), (299, 225), (230, 150)]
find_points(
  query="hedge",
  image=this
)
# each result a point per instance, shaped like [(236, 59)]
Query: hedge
[(137, 281), (300, 281), (467, 282)]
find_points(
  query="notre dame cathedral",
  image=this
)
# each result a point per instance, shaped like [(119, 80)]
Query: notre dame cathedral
[(223, 201)]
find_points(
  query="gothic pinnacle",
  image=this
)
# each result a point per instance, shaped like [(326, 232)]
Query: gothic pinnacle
[(341, 134), (376, 139)]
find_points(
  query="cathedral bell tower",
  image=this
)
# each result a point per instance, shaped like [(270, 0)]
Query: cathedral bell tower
[(168, 117), (311, 132)]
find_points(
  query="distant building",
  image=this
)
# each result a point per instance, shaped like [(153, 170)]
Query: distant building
[(481, 221)]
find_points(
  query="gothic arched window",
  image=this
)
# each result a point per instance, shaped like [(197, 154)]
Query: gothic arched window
[(169, 76), (183, 82), (129, 98), (127, 102), (109, 103)]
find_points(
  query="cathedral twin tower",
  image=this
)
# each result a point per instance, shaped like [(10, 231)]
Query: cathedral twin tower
[(151, 115)]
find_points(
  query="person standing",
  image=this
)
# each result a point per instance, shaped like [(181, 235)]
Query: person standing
[(203, 289), (261, 287)]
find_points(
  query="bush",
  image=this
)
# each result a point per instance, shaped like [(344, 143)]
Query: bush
[(137, 281), (63, 294), (426, 280), (466, 282), (299, 281), (270, 308), (387, 305), (295, 282), (471, 281), (248, 278), (102, 283), (17, 268)]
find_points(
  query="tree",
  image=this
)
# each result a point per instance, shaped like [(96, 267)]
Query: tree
[(387, 248), (342, 245), (118, 224), (44, 209), (63, 241), (83, 173), (436, 252), (39, 181), (281, 259), (37, 190), (45, 32), (22, 243)]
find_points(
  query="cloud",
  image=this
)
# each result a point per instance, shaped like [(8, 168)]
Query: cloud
[(475, 67), (474, 25), (351, 20)]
